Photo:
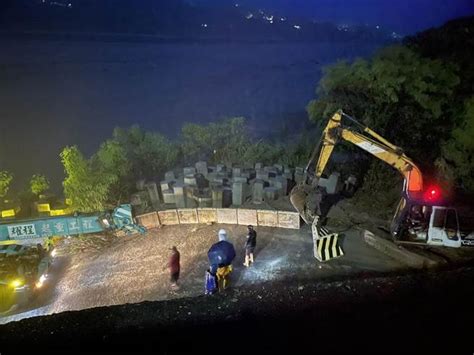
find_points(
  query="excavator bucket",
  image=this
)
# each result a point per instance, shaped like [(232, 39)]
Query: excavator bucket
[(298, 197), (306, 200)]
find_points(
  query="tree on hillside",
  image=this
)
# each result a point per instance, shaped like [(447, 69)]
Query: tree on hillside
[(87, 183), (223, 141), (228, 141), (399, 94), (5, 181), (456, 162), (39, 184), (112, 160), (149, 154)]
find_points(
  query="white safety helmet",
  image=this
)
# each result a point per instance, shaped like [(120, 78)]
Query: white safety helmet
[(222, 234)]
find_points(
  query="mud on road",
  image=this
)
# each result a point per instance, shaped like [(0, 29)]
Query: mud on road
[(96, 271)]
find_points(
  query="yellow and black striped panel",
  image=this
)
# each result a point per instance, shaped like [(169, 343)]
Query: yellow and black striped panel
[(328, 248)]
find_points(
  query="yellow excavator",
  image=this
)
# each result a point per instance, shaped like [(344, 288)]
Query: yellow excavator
[(418, 218)]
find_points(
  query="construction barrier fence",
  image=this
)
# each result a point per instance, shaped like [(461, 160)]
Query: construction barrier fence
[(240, 216)]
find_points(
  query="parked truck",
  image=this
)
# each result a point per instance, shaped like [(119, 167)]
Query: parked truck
[(25, 259)]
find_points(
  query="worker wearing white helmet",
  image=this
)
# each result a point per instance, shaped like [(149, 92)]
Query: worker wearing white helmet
[(222, 235)]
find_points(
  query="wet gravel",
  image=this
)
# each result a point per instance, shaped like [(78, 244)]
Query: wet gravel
[(406, 311)]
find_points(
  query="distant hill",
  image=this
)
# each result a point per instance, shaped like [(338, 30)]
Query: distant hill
[(175, 18)]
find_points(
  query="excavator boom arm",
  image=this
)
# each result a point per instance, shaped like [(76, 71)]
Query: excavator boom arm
[(302, 195), (378, 147), (411, 173)]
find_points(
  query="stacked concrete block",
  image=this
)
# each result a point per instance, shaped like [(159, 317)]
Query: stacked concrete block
[(236, 171), (272, 173), (201, 181), (204, 202), (239, 179), (245, 174), (135, 200), (252, 174), (191, 202), (331, 184), (169, 176), (218, 180), (168, 196), (180, 195), (190, 180), (238, 193), (165, 185), (257, 192), (262, 175), (299, 175), (201, 168), (288, 175), (271, 193), (226, 196), (281, 184), (279, 168), (258, 166), (220, 168), (140, 184), (153, 192), (211, 176), (217, 196), (189, 170)]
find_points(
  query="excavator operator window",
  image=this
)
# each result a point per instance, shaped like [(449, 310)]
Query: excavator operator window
[(438, 219), (451, 224)]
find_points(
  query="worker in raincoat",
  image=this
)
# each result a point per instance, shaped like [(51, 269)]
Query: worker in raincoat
[(221, 255)]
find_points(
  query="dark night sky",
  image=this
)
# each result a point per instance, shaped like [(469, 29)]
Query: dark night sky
[(404, 16)]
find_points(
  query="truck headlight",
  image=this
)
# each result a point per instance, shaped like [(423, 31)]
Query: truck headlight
[(41, 281), (16, 283)]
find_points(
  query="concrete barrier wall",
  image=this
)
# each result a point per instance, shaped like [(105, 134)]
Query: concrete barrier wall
[(279, 219), (188, 216), (267, 218), (288, 220), (149, 220), (168, 217), (207, 215), (227, 215), (246, 217)]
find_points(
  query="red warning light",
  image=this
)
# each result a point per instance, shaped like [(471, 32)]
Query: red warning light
[(433, 193)]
